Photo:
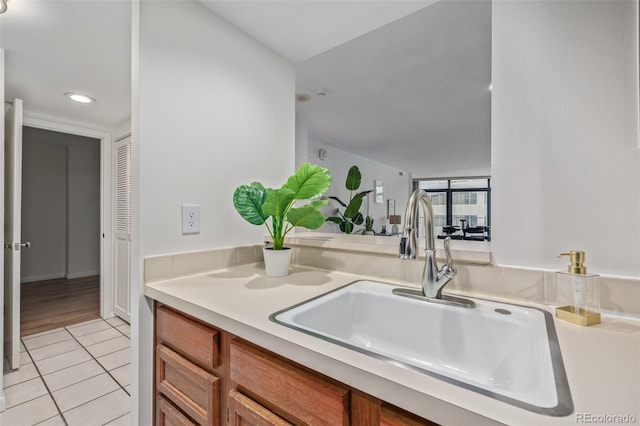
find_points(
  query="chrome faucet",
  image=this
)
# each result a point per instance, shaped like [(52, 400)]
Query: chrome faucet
[(433, 279)]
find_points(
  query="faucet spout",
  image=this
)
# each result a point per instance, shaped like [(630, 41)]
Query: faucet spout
[(433, 279)]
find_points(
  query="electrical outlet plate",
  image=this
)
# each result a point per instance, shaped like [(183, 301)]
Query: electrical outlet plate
[(190, 219)]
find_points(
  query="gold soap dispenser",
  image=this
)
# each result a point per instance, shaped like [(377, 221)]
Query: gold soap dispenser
[(577, 293)]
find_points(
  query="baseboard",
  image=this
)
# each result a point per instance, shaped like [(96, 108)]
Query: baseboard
[(82, 274), (24, 280)]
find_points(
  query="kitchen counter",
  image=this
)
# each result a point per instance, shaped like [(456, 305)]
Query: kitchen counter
[(602, 362)]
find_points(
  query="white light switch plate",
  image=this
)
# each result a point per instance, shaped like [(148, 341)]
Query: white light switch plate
[(190, 219)]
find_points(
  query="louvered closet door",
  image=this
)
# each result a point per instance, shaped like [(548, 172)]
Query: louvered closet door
[(122, 306)]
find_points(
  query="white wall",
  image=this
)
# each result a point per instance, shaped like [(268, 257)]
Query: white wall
[(339, 161), (60, 205), (565, 153), (44, 209), (83, 213), (217, 111), (213, 109)]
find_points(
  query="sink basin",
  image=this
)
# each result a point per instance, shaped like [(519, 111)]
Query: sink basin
[(507, 352)]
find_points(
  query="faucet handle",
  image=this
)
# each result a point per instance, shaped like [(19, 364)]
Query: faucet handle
[(447, 251)]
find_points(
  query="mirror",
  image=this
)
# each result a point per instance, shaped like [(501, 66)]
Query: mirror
[(408, 100)]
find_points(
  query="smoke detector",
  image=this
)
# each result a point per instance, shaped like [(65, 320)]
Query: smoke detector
[(303, 97)]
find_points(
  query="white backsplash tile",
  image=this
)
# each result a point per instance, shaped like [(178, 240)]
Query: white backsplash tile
[(186, 264), (245, 255), (550, 283), (228, 258), (523, 284), (618, 295), (208, 260), (315, 258), (158, 268), (487, 279)]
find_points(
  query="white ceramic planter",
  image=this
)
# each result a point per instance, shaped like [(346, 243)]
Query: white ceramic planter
[(276, 262)]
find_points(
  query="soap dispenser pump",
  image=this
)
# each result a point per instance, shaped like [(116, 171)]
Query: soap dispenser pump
[(577, 293)]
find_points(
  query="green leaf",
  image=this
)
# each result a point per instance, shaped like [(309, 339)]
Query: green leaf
[(310, 181), (354, 178), (358, 219), (339, 201), (318, 203), (249, 200), (335, 219), (354, 205), (306, 216), (277, 202), (346, 227)]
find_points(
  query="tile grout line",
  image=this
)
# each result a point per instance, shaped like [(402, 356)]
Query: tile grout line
[(113, 420), (73, 337), (45, 385), (100, 364)]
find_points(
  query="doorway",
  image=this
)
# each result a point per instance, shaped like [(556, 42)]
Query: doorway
[(104, 142), (61, 221)]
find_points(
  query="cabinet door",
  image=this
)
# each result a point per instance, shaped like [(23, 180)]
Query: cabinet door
[(188, 386), (291, 391), (246, 412), (122, 288), (392, 416), (168, 415)]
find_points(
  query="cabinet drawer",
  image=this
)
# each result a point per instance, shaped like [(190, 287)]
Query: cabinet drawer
[(168, 415), (296, 394), (391, 416), (192, 339), (192, 389), (246, 412)]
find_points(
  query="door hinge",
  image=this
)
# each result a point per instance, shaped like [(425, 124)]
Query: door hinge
[(228, 419)]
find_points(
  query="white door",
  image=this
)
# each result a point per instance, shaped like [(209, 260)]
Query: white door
[(12, 223), (122, 306)]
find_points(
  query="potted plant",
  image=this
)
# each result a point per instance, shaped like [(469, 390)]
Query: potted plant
[(256, 204), (368, 226), (351, 216)]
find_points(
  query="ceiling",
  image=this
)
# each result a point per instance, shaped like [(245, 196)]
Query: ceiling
[(54, 47), (432, 69), (413, 94), (300, 29)]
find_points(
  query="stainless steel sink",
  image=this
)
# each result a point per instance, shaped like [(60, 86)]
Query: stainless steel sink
[(507, 352)]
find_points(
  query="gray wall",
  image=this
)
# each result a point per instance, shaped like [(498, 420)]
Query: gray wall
[(60, 205)]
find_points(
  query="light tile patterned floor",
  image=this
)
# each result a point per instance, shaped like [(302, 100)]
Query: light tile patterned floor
[(76, 375)]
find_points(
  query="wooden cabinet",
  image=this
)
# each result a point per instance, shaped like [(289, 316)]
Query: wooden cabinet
[(206, 376), (168, 415), (290, 391), (188, 370), (195, 340), (367, 410), (246, 412)]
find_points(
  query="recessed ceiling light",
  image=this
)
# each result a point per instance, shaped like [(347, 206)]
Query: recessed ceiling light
[(77, 97)]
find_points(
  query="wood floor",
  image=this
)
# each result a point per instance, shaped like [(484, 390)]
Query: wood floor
[(45, 305)]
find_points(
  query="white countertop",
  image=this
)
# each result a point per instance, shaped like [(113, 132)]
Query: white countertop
[(602, 362)]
